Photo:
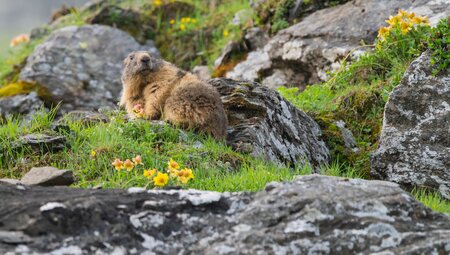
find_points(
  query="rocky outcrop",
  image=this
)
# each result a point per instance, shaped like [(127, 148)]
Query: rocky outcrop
[(24, 105), (261, 122), (301, 54), (310, 215), (415, 139), (81, 66)]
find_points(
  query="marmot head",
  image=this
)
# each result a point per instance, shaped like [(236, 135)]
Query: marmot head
[(139, 63)]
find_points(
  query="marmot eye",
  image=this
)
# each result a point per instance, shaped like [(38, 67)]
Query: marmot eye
[(131, 57)]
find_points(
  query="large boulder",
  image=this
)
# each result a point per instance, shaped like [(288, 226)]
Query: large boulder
[(301, 54), (310, 215), (81, 66), (24, 105), (415, 139), (261, 122)]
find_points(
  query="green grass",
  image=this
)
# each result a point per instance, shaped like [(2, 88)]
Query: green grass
[(216, 166), (432, 200)]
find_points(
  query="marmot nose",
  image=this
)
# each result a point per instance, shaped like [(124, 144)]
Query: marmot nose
[(145, 59)]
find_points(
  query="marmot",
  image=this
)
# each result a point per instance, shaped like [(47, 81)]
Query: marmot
[(165, 91)]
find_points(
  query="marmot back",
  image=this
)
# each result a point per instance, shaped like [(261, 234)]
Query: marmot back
[(179, 97)]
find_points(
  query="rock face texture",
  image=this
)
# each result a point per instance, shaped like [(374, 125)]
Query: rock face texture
[(261, 122), (81, 66), (301, 54), (42, 143), (48, 176), (415, 139), (25, 105), (310, 215)]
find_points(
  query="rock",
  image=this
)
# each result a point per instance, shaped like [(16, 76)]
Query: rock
[(24, 105), (127, 20), (81, 66), (289, 11), (42, 143), (236, 51), (48, 176), (85, 117), (301, 54), (202, 72), (263, 123), (10, 181), (310, 215), (256, 38), (414, 146), (347, 136)]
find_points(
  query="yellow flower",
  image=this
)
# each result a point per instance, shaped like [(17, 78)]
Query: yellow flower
[(173, 165), (394, 20), (194, 21), (383, 32), (93, 153), (225, 33), (424, 20), (182, 27), (172, 21), (402, 13), (128, 165), (118, 164), (405, 27), (173, 172), (185, 175), (150, 172), (411, 15), (157, 2), (183, 20), (188, 20), (137, 160), (23, 38), (161, 180)]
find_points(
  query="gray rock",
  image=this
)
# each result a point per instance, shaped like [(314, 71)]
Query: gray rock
[(81, 66), (41, 142), (10, 181), (347, 136), (261, 122), (48, 176), (305, 51), (253, 39), (256, 38), (310, 215), (415, 138), (24, 105)]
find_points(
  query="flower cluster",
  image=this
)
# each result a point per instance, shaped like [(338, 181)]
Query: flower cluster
[(184, 175), (127, 164), (155, 177), (183, 23), (138, 111), (404, 21), (23, 38)]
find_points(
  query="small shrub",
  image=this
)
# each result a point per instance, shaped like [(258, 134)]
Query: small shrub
[(439, 44)]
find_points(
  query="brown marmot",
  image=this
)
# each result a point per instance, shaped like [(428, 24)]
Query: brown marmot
[(165, 91)]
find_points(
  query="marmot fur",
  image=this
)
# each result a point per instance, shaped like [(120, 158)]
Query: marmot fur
[(165, 91)]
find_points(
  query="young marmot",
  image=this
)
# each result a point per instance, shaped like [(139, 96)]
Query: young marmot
[(179, 97)]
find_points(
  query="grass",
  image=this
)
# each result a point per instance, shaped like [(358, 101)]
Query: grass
[(216, 166), (432, 200)]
